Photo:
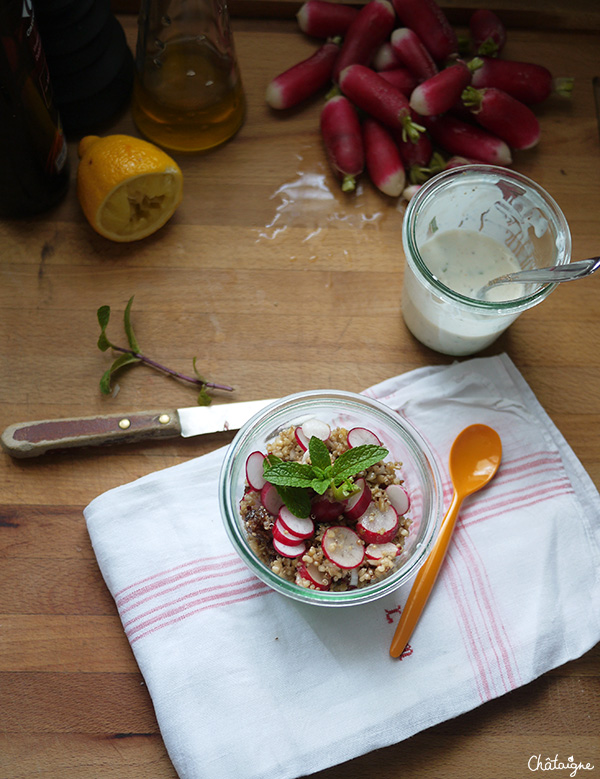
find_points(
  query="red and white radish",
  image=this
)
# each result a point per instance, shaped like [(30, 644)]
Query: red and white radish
[(255, 470), (324, 510), (371, 27), (466, 140), (399, 498), (410, 191), (383, 161), (379, 551), (324, 19), (301, 527), (317, 428), (289, 550), (340, 130), (430, 23), (488, 34), (401, 78), (343, 547), (437, 94), (504, 116), (385, 58), (311, 572), (271, 499), (304, 79), (358, 436), (283, 535), (301, 439), (412, 53), (356, 505), (382, 101), (525, 81), (459, 162), (416, 155), (376, 526)]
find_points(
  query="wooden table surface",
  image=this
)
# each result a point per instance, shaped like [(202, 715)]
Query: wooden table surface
[(274, 292)]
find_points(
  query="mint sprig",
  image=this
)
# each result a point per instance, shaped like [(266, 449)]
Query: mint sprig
[(295, 481), (133, 355)]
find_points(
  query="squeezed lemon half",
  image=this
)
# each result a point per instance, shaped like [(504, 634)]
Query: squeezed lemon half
[(128, 188)]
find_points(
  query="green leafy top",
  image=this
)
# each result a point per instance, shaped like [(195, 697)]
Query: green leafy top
[(295, 480)]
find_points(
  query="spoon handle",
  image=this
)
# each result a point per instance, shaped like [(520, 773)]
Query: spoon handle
[(425, 579), (569, 272)]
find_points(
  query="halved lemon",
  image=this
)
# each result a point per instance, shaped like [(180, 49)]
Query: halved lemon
[(128, 188)]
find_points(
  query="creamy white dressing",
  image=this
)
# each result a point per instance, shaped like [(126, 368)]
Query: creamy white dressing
[(462, 260), (465, 260)]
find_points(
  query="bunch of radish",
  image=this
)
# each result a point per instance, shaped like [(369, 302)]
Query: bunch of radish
[(350, 531), (404, 101)]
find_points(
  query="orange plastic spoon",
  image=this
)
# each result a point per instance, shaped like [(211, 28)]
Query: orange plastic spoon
[(474, 459)]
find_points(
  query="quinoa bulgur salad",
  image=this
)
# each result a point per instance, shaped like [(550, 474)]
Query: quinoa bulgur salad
[(323, 509)]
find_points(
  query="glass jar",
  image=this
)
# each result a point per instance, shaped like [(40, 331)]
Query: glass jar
[(188, 93), (420, 474), (463, 228)]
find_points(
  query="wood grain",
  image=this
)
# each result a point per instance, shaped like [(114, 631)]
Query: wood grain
[(272, 298)]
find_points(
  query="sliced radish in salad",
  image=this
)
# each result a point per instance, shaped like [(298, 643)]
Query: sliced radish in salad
[(324, 510), (317, 428), (283, 535), (343, 547), (310, 571), (398, 497), (378, 527), (255, 470), (271, 499), (289, 550), (378, 551), (357, 504), (301, 439), (360, 435), (301, 527)]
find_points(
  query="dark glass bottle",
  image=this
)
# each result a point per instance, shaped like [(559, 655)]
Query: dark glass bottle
[(34, 169)]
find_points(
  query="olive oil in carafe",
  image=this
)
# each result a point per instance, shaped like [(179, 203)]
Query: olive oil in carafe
[(189, 97)]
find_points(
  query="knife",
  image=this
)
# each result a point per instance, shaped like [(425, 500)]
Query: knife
[(30, 439)]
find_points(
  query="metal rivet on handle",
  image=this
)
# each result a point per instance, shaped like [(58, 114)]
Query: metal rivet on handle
[(124, 424), (164, 419)]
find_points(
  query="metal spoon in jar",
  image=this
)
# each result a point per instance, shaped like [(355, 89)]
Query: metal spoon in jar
[(552, 275), (474, 459)]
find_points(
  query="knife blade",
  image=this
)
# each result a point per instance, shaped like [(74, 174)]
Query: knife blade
[(31, 439)]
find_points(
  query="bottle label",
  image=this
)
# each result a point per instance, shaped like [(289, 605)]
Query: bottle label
[(57, 153)]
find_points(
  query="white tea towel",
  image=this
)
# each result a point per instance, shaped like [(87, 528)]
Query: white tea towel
[(247, 683)]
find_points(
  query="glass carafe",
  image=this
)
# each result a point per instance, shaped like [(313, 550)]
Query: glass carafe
[(188, 93)]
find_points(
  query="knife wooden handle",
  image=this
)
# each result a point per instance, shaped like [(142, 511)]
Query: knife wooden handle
[(30, 439)]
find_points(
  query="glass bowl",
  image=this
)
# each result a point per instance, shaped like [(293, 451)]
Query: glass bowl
[(419, 470)]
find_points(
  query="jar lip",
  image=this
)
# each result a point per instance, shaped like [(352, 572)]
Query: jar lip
[(462, 175)]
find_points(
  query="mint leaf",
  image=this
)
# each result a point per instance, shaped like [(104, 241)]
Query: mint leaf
[(124, 359), (297, 499), (103, 315), (320, 485), (131, 339), (357, 459), (289, 474), (319, 454)]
